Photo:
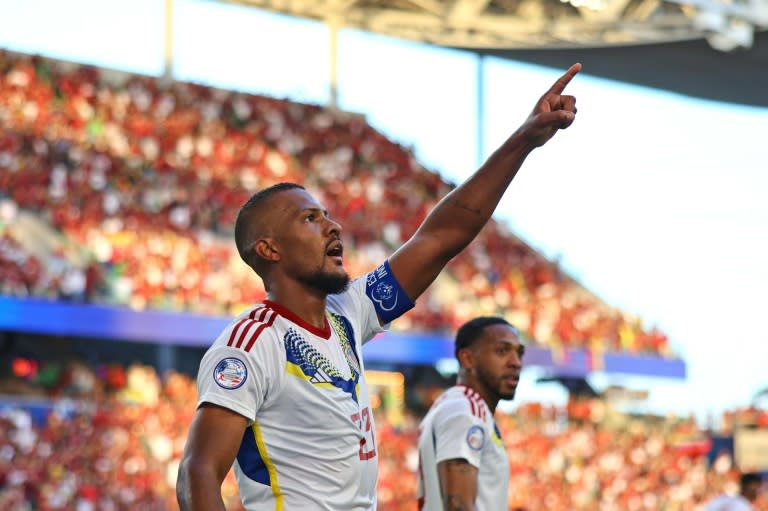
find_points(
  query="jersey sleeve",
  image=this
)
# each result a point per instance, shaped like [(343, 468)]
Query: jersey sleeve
[(372, 300), (728, 503), (458, 434), (238, 380)]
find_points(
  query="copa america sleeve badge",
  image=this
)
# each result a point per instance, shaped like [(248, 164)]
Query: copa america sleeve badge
[(230, 373), (476, 437)]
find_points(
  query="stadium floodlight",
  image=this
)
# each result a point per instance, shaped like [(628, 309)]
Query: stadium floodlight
[(738, 34), (728, 25), (759, 12), (748, 10), (708, 20)]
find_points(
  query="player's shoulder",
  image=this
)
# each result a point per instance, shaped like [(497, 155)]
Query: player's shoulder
[(461, 399), (727, 503), (339, 302), (249, 327)]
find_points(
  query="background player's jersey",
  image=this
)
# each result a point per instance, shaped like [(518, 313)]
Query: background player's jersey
[(311, 442), (460, 425), (729, 503)]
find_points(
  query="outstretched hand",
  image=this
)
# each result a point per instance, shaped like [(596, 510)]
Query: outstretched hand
[(554, 111)]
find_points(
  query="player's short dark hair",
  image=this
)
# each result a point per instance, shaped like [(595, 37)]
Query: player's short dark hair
[(243, 232), (472, 330), (750, 478)]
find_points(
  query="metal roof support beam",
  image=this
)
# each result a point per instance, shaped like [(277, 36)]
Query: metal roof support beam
[(463, 12), (430, 6)]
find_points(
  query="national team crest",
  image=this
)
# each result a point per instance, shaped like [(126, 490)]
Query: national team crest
[(349, 353), (230, 373)]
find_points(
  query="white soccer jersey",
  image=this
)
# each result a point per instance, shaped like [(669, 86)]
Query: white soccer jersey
[(311, 441), (460, 425), (728, 503)]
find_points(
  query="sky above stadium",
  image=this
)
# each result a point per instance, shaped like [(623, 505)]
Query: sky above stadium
[(656, 202)]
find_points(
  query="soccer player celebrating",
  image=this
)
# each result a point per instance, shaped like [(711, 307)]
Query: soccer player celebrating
[(282, 393)]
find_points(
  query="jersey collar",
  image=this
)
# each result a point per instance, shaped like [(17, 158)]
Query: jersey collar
[(324, 332)]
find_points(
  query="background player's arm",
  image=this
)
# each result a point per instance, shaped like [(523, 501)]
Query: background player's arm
[(458, 484), (213, 441), (460, 215)]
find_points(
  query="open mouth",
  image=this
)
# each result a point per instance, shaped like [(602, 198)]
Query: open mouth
[(335, 249)]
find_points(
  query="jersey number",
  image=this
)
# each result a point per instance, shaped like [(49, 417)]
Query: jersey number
[(368, 442)]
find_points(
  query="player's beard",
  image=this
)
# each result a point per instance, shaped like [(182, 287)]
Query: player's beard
[(496, 386), (326, 282)]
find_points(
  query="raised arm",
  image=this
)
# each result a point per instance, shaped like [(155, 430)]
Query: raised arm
[(213, 441), (461, 214)]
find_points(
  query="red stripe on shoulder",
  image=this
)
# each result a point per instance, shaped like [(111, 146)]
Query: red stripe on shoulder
[(237, 328), (271, 319), (256, 317), (472, 405), (234, 331), (475, 402), (244, 331)]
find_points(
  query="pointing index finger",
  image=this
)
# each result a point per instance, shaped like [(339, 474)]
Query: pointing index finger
[(559, 85)]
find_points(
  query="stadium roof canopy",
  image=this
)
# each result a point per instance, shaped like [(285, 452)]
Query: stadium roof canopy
[(711, 49)]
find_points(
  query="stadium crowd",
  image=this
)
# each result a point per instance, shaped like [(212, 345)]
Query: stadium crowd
[(139, 182), (111, 439)]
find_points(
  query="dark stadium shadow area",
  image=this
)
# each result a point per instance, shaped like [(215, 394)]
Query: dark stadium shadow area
[(45, 365)]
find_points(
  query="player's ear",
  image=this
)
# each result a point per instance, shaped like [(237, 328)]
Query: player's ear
[(466, 358), (266, 249)]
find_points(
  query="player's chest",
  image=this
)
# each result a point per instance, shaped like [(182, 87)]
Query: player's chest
[(321, 368), (495, 458)]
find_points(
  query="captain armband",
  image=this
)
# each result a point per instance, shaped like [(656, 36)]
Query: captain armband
[(389, 298)]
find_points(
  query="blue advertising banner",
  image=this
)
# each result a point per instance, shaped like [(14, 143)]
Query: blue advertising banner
[(39, 316)]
